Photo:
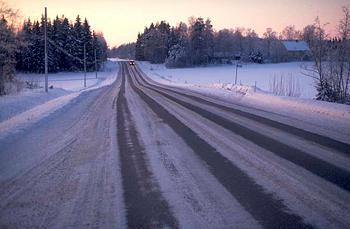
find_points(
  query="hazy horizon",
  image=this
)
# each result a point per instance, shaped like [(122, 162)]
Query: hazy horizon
[(120, 21)]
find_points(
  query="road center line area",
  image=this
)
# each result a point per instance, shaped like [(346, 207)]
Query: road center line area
[(140, 154)]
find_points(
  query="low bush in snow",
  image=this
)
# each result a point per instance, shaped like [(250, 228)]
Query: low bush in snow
[(285, 86)]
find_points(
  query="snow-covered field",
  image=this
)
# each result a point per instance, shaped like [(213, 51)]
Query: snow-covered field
[(32, 104), (248, 74)]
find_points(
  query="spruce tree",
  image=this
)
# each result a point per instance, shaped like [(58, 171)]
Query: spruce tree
[(88, 41), (66, 35), (51, 50), (78, 44), (197, 42), (37, 50), (139, 48), (24, 55), (57, 39)]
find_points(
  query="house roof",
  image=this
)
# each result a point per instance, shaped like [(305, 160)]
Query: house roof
[(296, 45)]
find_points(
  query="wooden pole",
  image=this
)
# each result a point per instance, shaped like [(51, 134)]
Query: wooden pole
[(84, 65), (46, 60), (95, 64)]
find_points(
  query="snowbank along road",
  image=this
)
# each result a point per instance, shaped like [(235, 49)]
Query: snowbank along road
[(138, 154)]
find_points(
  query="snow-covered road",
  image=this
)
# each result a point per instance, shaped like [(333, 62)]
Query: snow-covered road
[(141, 154)]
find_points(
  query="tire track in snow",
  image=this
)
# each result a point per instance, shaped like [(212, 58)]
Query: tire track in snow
[(323, 169), (197, 198), (145, 205), (317, 138), (77, 186), (248, 193)]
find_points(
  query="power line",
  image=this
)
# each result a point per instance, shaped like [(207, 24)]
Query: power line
[(65, 51), (70, 55)]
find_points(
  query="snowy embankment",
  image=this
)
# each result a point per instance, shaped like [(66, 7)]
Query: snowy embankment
[(31, 105), (217, 82)]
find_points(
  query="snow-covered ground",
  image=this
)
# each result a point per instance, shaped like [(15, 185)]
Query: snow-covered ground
[(216, 82), (248, 74), (31, 105), (198, 161)]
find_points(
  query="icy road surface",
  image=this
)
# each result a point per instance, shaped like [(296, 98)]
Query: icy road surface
[(139, 154)]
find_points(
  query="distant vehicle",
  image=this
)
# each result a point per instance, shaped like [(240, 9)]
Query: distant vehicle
[(131, 62)]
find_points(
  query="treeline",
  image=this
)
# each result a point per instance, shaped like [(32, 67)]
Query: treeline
[(66, 43), (199, 44), (23, 49), (124, 51)]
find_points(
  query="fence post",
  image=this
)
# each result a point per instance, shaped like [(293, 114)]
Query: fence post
[(255, 87)]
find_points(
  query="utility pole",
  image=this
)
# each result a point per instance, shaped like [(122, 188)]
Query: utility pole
[(46, 61), (84, 65), (95, 63)]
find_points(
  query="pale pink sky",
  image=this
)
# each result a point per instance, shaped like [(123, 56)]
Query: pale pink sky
[(121, 20)]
